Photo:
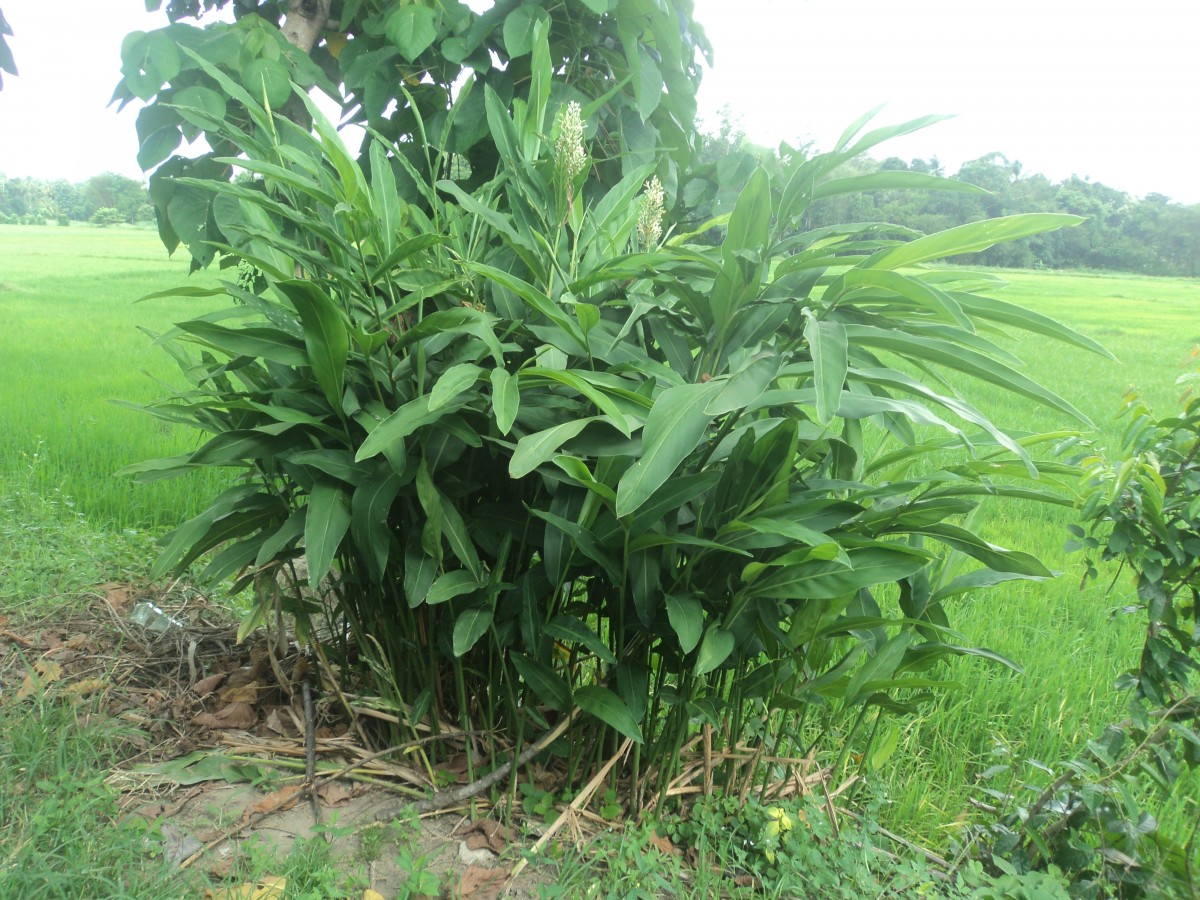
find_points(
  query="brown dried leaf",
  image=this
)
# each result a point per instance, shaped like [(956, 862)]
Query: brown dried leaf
[(662, 844), (209, 684), (284, 798), (278, 724), (44, 672), (241, 693), (235, 715), (480, 883), (119, 597), (488, 834), (17, 638), (86, 687), (335, 793), (272, 888)]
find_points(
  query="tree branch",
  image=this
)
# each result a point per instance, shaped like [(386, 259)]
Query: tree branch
[(304, 21)]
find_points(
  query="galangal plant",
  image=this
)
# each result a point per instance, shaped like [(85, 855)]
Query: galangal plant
[(562, 464)]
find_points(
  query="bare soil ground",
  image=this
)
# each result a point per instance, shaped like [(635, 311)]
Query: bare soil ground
[(215, 733)]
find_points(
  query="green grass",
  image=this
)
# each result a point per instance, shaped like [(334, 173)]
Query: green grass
[(70, 344), (1065, 638), (63, 835)]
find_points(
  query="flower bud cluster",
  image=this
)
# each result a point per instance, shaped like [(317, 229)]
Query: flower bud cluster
[(650, 213), (568, 149)]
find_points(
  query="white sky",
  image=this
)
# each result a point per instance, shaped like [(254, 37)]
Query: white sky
[(1103, 89)]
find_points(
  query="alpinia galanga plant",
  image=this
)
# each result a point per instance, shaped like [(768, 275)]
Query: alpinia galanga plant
[(555, 467)]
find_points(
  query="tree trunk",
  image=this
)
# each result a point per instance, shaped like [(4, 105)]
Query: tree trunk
[(304, 21)]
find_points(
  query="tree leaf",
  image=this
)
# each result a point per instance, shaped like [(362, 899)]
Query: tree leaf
[(609, 709), (267, 81), (412, 28), (518, 29)]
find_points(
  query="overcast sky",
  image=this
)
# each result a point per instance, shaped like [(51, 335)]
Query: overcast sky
[(1105, 90)]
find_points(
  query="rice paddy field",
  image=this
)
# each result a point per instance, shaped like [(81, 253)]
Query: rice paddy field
[(70, 344)]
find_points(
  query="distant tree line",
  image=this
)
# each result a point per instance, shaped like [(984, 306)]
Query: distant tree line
[(106, 199), (1152, 236)]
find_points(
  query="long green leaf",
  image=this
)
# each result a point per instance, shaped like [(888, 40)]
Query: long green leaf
[(450, 585), (469, 627), (716, 647), (609, 709), (686, 615), (548, 685), (955, 356), (892, 180), (537, 448), (970, 238), (407, 419), (325, 525), (370, 507), (570, 628), (453, 382), (261, 343), (325, 336), (829, 348), (880, 666), (828, 579), (673, 429), (506, 399)]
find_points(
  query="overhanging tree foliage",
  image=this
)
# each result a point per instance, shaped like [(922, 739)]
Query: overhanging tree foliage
[(393, 67)]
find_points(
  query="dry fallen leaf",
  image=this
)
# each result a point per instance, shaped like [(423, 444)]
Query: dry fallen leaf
[(86, 687), (488, 834), (284, 798), (209, 684), (335, 793), (235, 715), (268, 889), (661, 844), (119, 597), (479, 883), (241, 693), (44, 672)]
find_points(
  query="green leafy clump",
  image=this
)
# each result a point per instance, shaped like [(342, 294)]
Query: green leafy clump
[(1095, 821), (554, 466)]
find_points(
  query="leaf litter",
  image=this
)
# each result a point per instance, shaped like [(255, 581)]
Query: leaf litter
[(216, 747)]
